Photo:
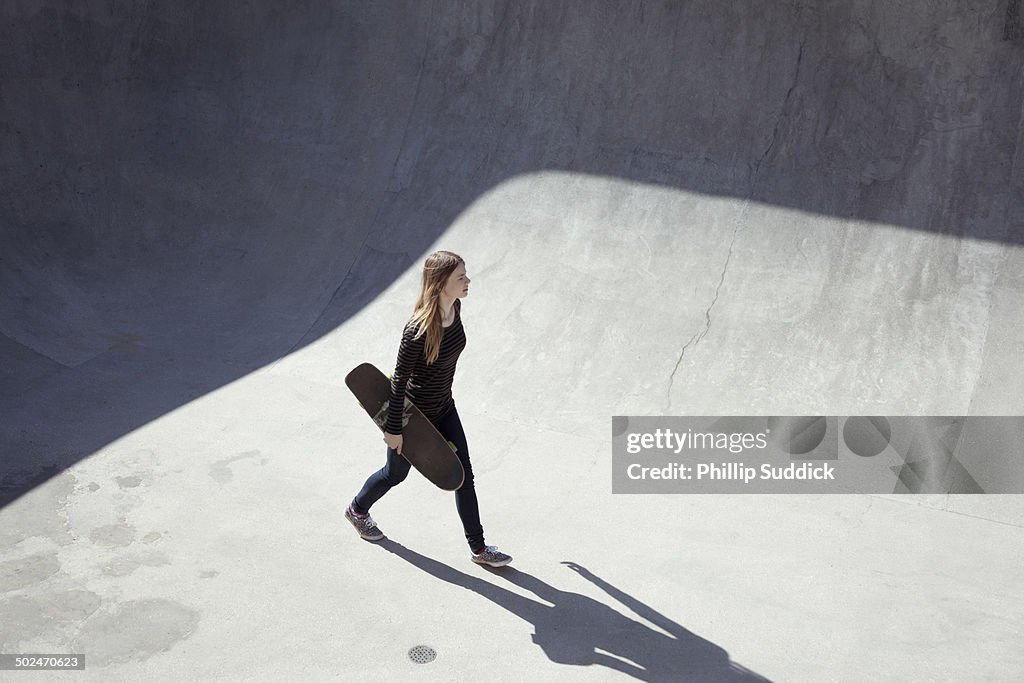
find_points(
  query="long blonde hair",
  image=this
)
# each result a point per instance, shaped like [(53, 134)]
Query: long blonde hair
[(427, 315)]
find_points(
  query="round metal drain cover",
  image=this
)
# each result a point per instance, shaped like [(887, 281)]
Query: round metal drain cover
[(422, 654)]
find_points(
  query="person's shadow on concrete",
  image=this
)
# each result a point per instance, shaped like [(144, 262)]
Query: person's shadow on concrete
[(578, 630)]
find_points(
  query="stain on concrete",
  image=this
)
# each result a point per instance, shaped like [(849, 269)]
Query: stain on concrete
[(135, 631), (26, 618), (15, 574), (128, 482), (40, 514), (209, 574), (1013, 27), (123, 566), (127, 344), (220, 470), (113, 535), (93, 486), (151, 537)]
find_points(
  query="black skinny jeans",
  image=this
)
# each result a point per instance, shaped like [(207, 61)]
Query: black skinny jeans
[(397, 468)]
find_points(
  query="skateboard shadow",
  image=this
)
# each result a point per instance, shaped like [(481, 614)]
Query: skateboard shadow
[(577, 630)]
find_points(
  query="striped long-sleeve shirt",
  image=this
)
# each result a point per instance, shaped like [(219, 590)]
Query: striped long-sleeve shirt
[(429, 387)]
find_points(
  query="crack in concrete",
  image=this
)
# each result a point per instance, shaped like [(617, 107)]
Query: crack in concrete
[(695, 339), (871, 502), (782, 115)]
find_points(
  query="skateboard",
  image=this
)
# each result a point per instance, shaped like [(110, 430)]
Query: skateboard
[(422, 445)]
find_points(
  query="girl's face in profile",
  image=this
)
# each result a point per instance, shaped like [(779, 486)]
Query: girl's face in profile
[(458, 283)]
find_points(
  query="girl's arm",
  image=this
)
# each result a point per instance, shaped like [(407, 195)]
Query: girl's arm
[(408, 351)]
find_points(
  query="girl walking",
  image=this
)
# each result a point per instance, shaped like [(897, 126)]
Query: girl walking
[(431, 343)]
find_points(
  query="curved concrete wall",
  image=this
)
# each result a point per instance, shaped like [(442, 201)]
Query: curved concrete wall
[(192, 193)]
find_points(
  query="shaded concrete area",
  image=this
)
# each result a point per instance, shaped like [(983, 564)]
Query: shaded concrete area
[(210, 214)]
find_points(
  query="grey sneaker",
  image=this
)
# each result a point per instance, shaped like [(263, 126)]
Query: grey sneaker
[(490, 555), (366, 527)]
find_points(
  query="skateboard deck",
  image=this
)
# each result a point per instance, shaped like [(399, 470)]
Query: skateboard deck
[(422, 445)]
